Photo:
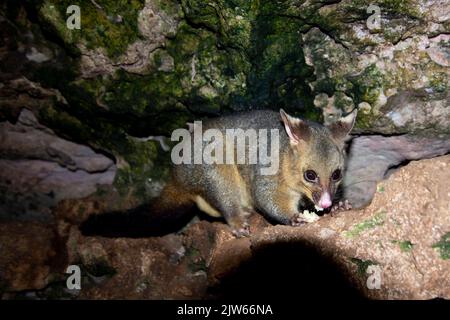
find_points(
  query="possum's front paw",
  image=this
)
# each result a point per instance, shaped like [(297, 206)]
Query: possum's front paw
[(298, 220), (304, 217), (243, 231), (341, 206)]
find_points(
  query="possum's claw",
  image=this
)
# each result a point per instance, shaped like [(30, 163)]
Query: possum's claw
[(244, 231), (341, 206)]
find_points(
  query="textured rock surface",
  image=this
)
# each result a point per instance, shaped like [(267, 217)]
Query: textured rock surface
[(374, 157), (37, 168), (404, 232), (395, 72), (403, 236), (32, 256)]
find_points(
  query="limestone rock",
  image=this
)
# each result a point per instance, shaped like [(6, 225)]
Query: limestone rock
[(31, 256), (372, 158), (41, 168)]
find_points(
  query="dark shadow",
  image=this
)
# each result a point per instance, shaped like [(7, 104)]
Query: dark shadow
[(287, 271), (137, 223)]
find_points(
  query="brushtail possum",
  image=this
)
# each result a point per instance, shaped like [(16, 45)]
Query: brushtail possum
[(310, 168)]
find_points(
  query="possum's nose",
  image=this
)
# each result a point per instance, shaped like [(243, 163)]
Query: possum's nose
[(325, 200)]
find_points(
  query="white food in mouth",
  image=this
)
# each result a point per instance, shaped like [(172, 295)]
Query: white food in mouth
[(318, 208)]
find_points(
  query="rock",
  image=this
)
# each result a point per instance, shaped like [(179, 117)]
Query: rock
[(31, 256), (19, 93), (401, 235), (185, 56), (142, 268), (227, 258), (37, 56), (41, 168), (371, 159), (438, 52), (335, 107), (30, 140), (401, 238), (402, 57), (154, 26)]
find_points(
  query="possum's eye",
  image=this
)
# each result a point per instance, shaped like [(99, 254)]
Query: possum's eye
[(310, 176), (336, 175)]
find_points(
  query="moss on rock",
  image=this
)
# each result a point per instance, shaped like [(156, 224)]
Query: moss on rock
[(111, 25), (443, 246)]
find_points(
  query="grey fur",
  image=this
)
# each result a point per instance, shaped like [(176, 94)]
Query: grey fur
[(324, 153)]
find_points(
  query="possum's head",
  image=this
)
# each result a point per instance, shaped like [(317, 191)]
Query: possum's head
[(315, 163)]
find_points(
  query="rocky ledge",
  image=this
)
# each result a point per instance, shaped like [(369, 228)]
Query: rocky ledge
[(398, 247)]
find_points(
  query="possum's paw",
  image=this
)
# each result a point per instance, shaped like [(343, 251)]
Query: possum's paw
[(243, 231), (341, 206), (298, 220), (304, 217)]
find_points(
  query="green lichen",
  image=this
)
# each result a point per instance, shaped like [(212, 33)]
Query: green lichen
[(143, 160), (396, 8), (362, 265), (343, 102), (217, 50), (380, 188), (199, 67), (365, 121), (141, 95), (368, 224), (279, 72), (368, 85), (203, 68), (196, 261), (408, 8), (230, 20), (113, 26), (405, 245), (439, 82), (221, 48), (202, 13), (146, 163), (443, 246), (65, 123), (51, 13)]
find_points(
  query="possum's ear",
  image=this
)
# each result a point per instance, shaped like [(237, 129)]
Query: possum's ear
[(296, 129), (341, 128)]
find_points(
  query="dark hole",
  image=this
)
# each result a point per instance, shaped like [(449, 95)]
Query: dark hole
[(287, 270)]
